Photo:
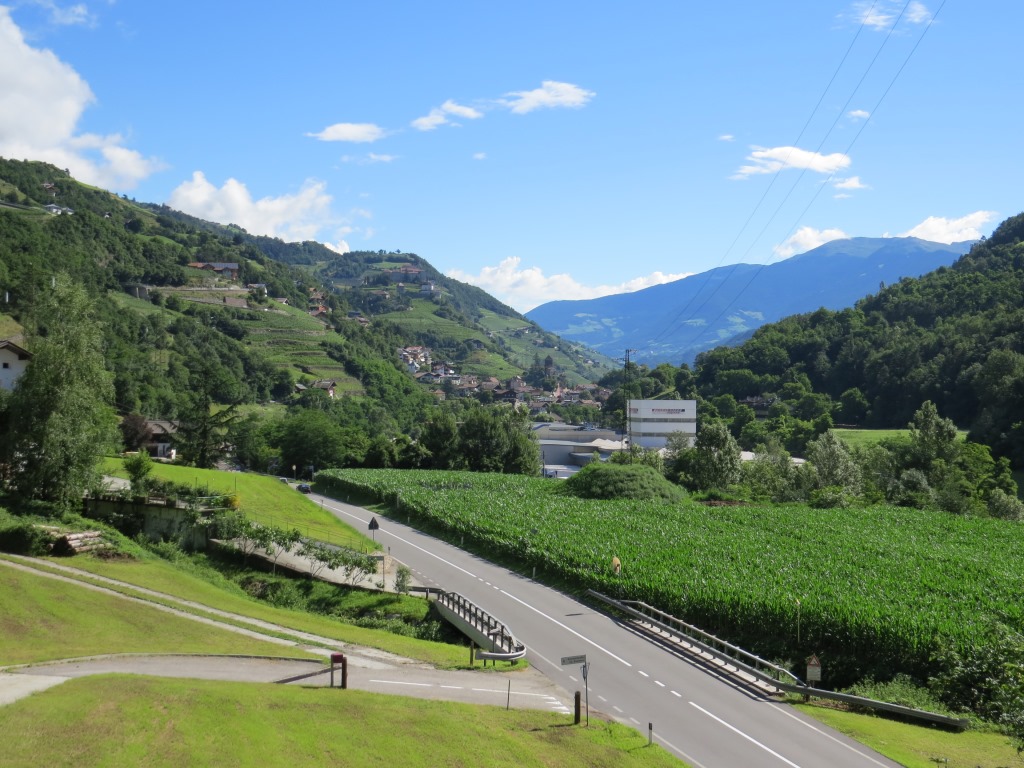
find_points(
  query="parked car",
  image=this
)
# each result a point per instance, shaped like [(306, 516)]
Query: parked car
[(304, 488), (283, 479)]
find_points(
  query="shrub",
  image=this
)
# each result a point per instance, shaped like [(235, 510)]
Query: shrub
[(1004, 506), (622, 481), (23, 538)]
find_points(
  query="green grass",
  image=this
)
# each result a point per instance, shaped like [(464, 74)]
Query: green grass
[(168, 578), (117, 720), (916, 746), (864, 438), (9, 327), (42, 619), (264, 499)]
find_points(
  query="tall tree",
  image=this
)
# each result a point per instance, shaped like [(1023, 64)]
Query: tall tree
[(60, 416)]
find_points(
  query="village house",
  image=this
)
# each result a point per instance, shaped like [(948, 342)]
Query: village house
[(13, 361), (226, 269)]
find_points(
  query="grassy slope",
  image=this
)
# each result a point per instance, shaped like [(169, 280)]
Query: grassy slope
[(264, 499), (916, 746), (129, 721), (161, 576), (42, 619)]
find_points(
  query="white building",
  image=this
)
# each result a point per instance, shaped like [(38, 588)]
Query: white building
[(650, 422), (13, 360)]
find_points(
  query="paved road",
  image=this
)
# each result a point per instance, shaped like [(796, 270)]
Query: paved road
[(706, 720)]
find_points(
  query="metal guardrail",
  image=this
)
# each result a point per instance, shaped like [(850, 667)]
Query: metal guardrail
[(757, 667), (764, 671), (483, 628)]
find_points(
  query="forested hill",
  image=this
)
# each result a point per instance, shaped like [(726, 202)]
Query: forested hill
[(954, 336), (174, 327)]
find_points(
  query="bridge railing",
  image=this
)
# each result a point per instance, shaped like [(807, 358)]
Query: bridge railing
[(496, 641), (758, 668)]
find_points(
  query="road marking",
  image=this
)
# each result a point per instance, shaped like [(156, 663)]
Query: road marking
[(616, 709), (633, 719), (573, 679), (658, 682), (751, 739), (402, 682), (567, 629), (453, 687), (602, 698), (680, 752), (677, 694), (829, 736), (643, 673), (473, 575)]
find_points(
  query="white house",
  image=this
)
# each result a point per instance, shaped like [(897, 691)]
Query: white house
[(650, 422), (13, 360)]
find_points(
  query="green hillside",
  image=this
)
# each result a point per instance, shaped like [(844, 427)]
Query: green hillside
[(954, 336)]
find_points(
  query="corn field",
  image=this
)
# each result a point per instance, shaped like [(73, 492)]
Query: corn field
[(872, 591)]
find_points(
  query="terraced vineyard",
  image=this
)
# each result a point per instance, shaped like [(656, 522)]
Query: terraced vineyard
[(289, 337), (872, 591)]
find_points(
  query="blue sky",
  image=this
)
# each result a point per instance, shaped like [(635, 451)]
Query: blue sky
[(541, 150)]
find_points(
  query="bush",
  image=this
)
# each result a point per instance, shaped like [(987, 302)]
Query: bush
[(902, 690), (1004, 506), (21, 538), (622, 481)]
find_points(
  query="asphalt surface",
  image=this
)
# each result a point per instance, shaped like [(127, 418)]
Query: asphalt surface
[(690, 708)]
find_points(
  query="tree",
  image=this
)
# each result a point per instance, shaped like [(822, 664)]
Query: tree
[(60, 416), (714, 461), (138, 468), (135, 431), (203, 430)]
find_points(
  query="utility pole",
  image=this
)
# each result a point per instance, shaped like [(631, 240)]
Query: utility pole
[(627, 390)]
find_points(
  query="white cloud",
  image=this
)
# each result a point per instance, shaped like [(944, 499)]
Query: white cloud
[(880, 15), (551, 94), (775, 159), (41, 101), (68, 15), (917, 13), (429, 122), (290, 217), (727, 137), (439, 116), (479, 155), (529, 287), (368, 159), (853, 182), (354, 132), (942, 230), (858, 114), (461, 111), (806, 238)]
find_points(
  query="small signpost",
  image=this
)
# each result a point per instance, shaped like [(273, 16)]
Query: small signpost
[(813, 670), (373, 526), (568, 661)]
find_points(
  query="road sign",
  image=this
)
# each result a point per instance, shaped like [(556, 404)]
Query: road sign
[(813, 670), (568, 661), (374, 525)]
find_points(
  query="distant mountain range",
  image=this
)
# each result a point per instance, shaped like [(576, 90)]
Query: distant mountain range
[(675, 321)]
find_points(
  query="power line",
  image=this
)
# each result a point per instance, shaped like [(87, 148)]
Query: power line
[(817, 191)]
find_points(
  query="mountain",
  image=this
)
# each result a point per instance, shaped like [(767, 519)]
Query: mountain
[(675, 321)]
